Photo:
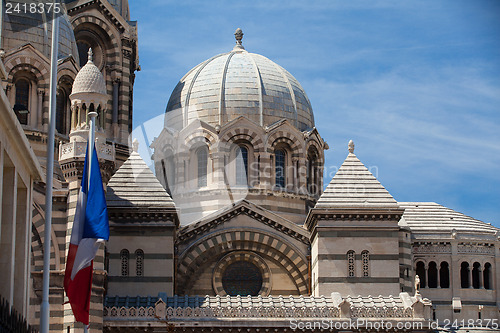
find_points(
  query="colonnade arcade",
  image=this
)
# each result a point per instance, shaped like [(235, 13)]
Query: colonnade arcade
[(436, 274)]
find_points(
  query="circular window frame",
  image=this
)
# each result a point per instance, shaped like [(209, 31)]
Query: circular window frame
[(235, 256)]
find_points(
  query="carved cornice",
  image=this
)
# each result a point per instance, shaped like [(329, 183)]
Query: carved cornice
[(431, 247), (120, 216), (351, 214), (476, 248)]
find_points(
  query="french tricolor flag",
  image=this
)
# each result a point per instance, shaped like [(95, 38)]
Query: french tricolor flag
[(90, 228)]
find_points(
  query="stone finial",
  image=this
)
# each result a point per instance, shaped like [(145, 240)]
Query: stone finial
[(351, 146), (135, 145), (90, 55), (238, 34)]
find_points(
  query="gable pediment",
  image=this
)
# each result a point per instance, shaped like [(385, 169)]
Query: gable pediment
[(246, 208)]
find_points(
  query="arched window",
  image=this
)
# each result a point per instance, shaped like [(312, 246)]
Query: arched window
[(202, 164), (444, 275), (487, 276), (21, 106), (280, 167), (124, 257), (61, 111), (432, 275), (242, 166), (242, 278), (139, 262), (365, 258), (464, 275), (91, 109), (83, 52), (101, 117), (420, 271), (312, 173), (476, 275), (168, 172), (351, 264), (165, 176)]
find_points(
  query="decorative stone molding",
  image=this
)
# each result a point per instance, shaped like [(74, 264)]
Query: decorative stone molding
[(360, 217), (431, 248), (77, 149), (206, 309), (488, 249)]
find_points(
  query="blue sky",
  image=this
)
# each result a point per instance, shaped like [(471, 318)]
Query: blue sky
[(415, 84)]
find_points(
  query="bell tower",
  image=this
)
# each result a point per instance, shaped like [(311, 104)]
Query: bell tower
[(88, 95)]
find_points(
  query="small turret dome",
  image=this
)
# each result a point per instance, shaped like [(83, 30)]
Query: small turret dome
[(89, 79), (239, 83)]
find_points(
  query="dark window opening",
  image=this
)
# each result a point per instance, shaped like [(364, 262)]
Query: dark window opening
[(60, 111), (420, 271), (487, 276), (444, 275), (280, 165), (242, 278), (202, 159), (22, 101), (139, 262), (476, 271), (464, 275), (242, 166), (124, 257), (433, 274), (83, 52)]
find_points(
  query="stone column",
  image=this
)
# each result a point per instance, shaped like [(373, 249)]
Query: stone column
[(218, 163), (116, 87), (39, 107), (295, 163), (480, 277), (438, 278), (8, 92), (73, 117), (469, 272), (266, 170), (8, 233)]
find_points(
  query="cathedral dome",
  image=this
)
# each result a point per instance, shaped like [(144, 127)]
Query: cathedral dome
[(36, 29), (89, 79), (239, 83)]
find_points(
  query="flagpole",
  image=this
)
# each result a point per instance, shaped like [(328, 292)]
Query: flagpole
[(92, 117), (90, 154), (45, 307)]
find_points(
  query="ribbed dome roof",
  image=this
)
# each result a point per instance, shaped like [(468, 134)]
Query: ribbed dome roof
[(89, 79), (238, 83)]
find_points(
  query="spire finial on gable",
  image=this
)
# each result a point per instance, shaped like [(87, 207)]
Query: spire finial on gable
[(351, 146), (135, 145), (90, 55)]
